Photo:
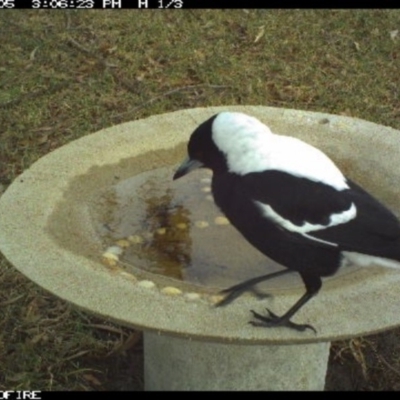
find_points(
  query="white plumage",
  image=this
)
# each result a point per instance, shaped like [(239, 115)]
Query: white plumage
[(250, 146)]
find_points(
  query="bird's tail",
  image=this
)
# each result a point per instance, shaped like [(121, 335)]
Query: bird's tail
[(366, 260)]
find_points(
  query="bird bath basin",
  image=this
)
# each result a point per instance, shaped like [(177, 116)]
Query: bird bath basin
[(100, 223)]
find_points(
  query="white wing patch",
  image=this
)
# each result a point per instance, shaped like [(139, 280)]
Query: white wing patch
[(335, 219), (250, 146)]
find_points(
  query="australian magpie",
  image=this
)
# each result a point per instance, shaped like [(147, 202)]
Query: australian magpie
[(292, 203)]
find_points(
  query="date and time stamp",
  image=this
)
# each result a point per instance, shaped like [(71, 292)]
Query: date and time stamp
[(90, 4)]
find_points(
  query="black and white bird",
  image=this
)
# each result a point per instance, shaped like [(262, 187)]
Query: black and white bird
[(292, 203)]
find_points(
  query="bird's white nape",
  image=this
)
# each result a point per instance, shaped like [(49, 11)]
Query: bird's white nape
[(250, 146)]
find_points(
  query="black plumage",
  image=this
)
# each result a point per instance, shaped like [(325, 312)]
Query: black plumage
[(291, 202)]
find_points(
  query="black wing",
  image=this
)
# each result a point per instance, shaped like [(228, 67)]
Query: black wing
[(375, 230)]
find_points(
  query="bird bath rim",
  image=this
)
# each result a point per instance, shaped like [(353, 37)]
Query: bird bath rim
[(79, 277)]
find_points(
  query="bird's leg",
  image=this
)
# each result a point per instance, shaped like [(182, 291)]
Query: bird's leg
[(234, 292), (313, 284), (272, 320)]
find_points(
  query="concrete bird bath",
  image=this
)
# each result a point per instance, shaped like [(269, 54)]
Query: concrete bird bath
[(100, 223)]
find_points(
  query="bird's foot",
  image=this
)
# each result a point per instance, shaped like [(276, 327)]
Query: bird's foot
[(272, 320)]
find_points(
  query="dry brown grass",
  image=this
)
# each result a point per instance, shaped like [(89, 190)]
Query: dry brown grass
[(67, 74)]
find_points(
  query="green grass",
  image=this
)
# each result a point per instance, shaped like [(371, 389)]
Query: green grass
[(67, 74)]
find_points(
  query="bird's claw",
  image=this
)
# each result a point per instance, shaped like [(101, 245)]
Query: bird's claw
[(272, 320)]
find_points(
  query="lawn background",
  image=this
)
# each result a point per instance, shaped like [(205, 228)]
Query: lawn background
[(65, 74)]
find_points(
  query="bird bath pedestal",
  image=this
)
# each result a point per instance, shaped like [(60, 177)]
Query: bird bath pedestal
[(68, 222)]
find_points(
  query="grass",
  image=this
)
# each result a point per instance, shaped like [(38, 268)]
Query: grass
[(66, 74)]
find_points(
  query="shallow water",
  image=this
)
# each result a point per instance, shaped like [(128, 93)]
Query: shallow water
[(176, 230)]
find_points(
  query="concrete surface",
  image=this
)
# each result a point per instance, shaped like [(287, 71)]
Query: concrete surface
[(179, 364)]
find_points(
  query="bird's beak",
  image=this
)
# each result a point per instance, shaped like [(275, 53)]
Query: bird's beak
[(187, 165)]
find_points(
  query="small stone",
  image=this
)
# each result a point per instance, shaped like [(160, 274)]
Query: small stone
[(110, 256), (201, 224), (221, 220), (116, 250), (109, 260), (161, 231), (129, 276), (216, 298), (147, 284), (170, 290), (205, 180), (124, 243), (181, 225), (135, 239), (206, 189), (192, 296)]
